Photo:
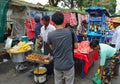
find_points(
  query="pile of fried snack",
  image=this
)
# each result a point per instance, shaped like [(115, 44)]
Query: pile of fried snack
[(38, 58)]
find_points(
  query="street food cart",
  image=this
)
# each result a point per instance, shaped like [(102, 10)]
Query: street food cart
[(97, 23), (18, 53), (39, 71)]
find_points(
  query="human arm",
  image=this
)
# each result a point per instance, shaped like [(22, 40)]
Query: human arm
[(40, 39), (75, 45), (102, 62), (51, 47), (41, 35), (74, 38), (49, 41), (101, 71)]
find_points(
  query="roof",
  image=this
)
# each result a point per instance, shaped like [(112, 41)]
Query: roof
[(44, 8), (115, 15), (23, 3), (63, 10), (98, 9)]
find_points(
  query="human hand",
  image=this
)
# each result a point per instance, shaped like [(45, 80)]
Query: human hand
[(100, 75)]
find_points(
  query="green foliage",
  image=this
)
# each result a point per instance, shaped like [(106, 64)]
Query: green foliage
[(53, 2), (118, 12), (108, 4)]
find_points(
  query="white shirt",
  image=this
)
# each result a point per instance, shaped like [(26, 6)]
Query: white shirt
[(116, 38), (79, 27), (44, 33)]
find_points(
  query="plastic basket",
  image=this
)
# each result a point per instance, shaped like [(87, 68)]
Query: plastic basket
[(96, 79)]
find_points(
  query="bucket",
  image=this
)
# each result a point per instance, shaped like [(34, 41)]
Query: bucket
[(18, 57), (40, 75), (24, 39)]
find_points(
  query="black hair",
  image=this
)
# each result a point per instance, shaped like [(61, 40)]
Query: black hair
[(46, 18), (84, 22), (68, 25), (58, 18), (37, 19), (94, 43)]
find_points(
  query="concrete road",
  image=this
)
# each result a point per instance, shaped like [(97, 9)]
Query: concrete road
[(8, 75)]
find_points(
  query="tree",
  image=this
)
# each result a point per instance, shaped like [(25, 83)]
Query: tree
[(69, 3), (53, 2), (108, 4), (81, 4)]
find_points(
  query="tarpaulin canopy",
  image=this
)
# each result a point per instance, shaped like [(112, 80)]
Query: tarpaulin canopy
[(3, 12)]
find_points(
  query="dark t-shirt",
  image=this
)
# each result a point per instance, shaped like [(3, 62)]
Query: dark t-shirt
[(61, 40), (37, 29)]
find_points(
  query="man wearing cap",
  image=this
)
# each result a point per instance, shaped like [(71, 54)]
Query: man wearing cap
[(116, 35)]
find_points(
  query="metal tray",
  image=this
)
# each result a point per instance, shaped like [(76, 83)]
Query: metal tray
[(51, 58)]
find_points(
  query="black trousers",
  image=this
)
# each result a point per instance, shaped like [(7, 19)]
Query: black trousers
[(49, 66), (47, 49)]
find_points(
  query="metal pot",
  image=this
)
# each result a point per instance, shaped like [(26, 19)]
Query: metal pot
[(18, 57), (40, 77)]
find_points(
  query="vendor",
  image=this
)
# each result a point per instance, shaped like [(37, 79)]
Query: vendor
[(45, 29), (82, 29), (116, 36), (105, 52)]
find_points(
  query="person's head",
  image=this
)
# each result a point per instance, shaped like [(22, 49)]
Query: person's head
[(116, 24), (46, 20), (83, 22), (68, 26), (37, 19), (58, 18), (94, 44)]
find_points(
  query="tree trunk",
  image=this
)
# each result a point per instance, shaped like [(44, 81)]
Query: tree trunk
[(72, 4)]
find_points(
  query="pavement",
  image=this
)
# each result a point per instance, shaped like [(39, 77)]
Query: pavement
[(9, 75)]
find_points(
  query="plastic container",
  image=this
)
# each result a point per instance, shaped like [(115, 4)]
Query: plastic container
[(24, 39)]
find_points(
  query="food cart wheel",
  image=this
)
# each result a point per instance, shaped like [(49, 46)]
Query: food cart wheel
[(20, 67)]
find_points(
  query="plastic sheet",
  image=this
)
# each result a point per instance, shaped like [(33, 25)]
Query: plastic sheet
[(83, 47)]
